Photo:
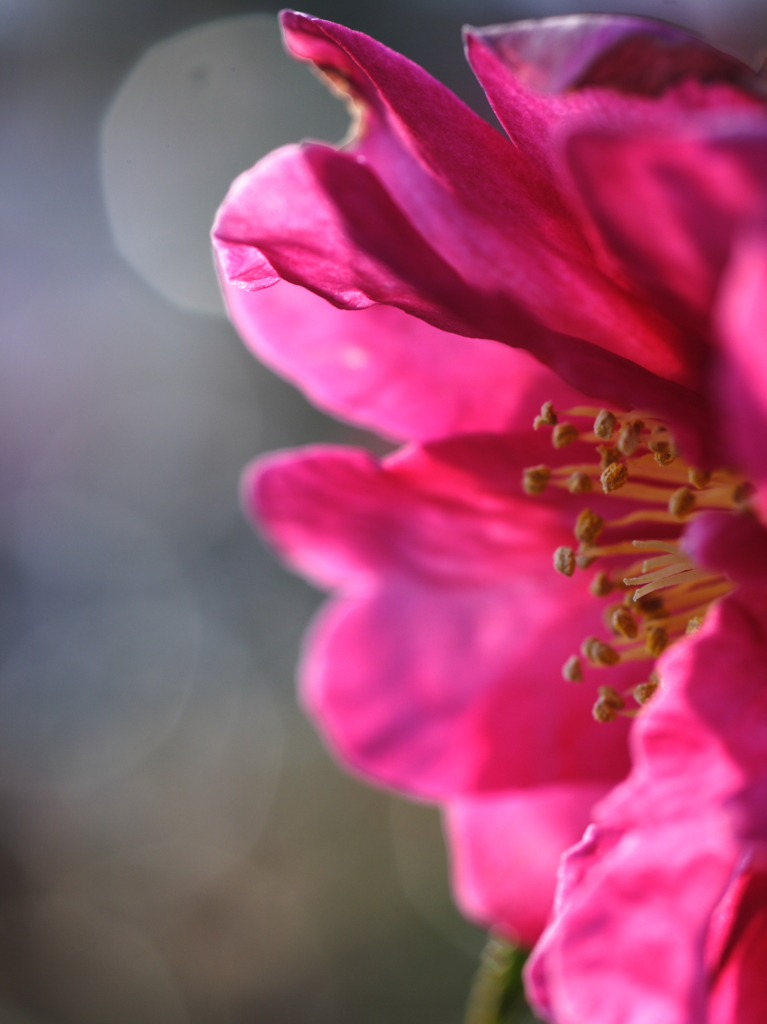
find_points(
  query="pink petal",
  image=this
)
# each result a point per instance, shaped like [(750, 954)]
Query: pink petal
[(398, 219), (742, 381), (734, 545), (505, 850), (693, 192), (739, 989), (646, 882), (562, 56), (394, 373), (437, 670)]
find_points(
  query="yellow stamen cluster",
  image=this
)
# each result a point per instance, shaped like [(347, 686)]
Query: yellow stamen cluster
[(635, 460)]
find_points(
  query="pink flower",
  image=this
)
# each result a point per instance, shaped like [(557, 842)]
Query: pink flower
[(618, 236)]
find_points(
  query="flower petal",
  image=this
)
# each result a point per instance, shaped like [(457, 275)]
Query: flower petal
[(739, 992), (438, 668), (694, 191), (627, 54), (397, 218), (742, 380), (391, 372), (505, 850), (646, 881)]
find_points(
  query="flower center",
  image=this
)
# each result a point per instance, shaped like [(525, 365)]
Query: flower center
[(662, 595)]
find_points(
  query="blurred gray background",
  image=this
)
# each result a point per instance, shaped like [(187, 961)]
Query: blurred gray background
[(176, 847)]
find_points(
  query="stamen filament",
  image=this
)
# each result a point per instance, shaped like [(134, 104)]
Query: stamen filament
[(692, 592), (684, 577), (644, 516), (656, 545), (669, 559)]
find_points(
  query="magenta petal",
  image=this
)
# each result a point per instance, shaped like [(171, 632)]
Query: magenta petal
[(735, 545), (694, 191), (648, 879), (624, 53), (505, 850), (739, 989), (323, 219), (394, 373), (742, 381), (397, 218), (437, 670)]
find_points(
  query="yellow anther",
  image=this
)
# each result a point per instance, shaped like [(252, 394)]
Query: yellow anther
[(660, 439), (645, 691), (564, 561), (588, 526), (604, 712), (547, 417), (579, 483), (664, 458), (681, 502), (608, 704), (572, 670), (564, 434), (535, 478), (694, 624), (699, 478), (601, 585), (604, 424), (651, 606), (609, 693), (624, 623), (656, 640), (607, 455), (614, 477), (598, 652), (628, 437)]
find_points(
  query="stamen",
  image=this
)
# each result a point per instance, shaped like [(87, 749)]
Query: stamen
[(547, 417), (604, 424), (624, 623), (679, 566), (683, 577), (677, 558), (608, 704), (663, 490), (588, 526), (564, 434), (652, 607), (681, 503), (645, 691), (572, 670), (628, 437), (579, 483), (598, 652), (656, 545), (614, 477), (656, 640), (564, 561), (699, 478), (535, 478), (601, 585), (607, 455), (643, 516), (660, 439)]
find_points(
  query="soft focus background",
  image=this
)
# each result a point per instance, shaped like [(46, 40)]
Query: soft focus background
[(176, 847)]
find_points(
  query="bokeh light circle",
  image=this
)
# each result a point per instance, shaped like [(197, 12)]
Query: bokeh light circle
[(195, 111)]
